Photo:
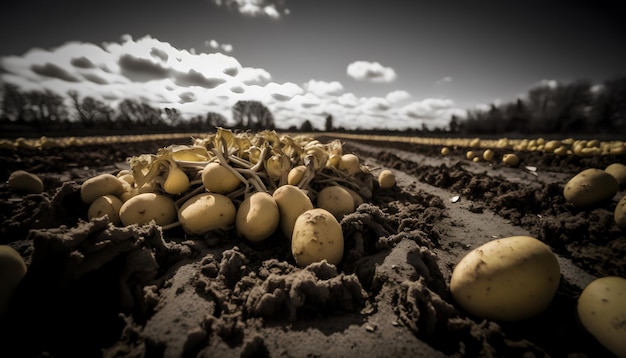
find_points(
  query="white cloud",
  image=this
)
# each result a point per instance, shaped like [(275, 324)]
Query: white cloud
[(552, 84), (323, 88), (255, 8), (163, 76), (371, 71), (217, 46), (397, 96)]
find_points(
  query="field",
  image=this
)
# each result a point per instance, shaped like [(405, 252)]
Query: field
[(92, 289)]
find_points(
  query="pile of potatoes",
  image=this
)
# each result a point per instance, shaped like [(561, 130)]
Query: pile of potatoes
[(218, 197)]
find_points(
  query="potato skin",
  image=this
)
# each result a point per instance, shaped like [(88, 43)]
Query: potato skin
[(143, 208), (601, 309), (106, 205), (620, 214), (386, 179), (103, 184), (25, 182), (618, 171), (590, 187), (507, 279), (257, 217), (12, 270), (337, 200), (317, 236), (292, 202), (218, 179), (205, 212)]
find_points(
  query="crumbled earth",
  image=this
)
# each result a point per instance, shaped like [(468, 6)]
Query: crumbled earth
[(93, 289)]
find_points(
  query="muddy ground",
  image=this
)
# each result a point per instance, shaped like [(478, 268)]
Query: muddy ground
[(96, 290)]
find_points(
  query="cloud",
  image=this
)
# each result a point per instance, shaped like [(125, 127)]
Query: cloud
[(371, 71), (195, 83), (444, 80), (397, 96), (256, 8), (323, 88), (217, 46)]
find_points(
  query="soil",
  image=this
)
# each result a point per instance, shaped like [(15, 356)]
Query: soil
[(93, 289)]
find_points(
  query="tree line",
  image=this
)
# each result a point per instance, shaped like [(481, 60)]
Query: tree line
[(574, 108)]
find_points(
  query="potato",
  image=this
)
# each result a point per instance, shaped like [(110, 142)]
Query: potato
[(12, 270), (145, 207), (470, 155), (337, 200), (386, 179), (601, 309), (590, 187), (488, 154), (109, 205), (205, 212), (177, 182), (317, 236), (100, 185), (620, 214), (510, 159), (218, 179), (257, 217), (358, 199), (296, 174), (350, 164), (25, 182), (618, 171), (292, 202), (445, 151), (507, 279)]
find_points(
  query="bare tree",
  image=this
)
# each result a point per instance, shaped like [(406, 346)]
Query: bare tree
[(253, 115)]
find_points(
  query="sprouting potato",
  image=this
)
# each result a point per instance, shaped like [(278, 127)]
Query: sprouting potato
[(177, 182), (296, 174), (620, 214), (292, 202), (507, 279), (257, 217), (618, 171), (129, 178), (386, 179), (12, 270), (25, 182), (337, 200), (510, 159), (205, 212), (109, 205), (145, 207), (350, 164), (100, 185), (590, 187), (601, 308), (218, 179), (317, 236)]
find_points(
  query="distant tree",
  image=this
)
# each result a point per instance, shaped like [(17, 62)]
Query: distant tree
[(172, 117), (252, 115), (45, 108), (13, 103), (140, 114), (214, 119), (92, 112), (453, 125), (329, 123), (306, 126)]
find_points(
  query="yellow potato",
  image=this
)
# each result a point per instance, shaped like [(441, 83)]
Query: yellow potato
[(590, 187), (292, 202), (109, 205), (488, 154), (296, 174), (100, 185), (337, 200), (177, 182), (507, 279), (25, 182), (601, 309), (618, 171), (257, 217), (620, 214), (386, 179), (145, 207), (510, 159), (12, 270), (218, 179), (317, 236), (350, 164), (445, 151), (205, 212)]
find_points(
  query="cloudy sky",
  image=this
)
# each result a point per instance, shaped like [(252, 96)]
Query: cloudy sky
[(369, 63)]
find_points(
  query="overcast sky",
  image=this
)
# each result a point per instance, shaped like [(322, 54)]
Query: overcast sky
[(369, 63)]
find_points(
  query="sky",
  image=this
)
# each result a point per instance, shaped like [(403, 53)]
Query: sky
[(393, 64)]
